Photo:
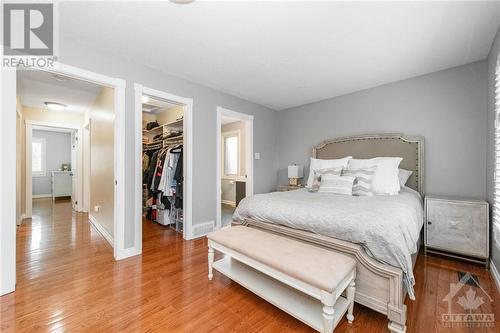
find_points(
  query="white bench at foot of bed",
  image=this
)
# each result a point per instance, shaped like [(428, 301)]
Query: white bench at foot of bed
[(303, 280)]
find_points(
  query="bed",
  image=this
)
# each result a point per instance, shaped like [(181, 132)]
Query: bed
[(385, 260)]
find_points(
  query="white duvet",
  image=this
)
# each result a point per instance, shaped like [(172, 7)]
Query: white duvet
[(388, 227)]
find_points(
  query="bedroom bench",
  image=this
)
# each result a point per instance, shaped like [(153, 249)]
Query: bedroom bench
[(304, 280)]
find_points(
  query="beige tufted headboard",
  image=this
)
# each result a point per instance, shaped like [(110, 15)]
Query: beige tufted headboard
[(374, 145)]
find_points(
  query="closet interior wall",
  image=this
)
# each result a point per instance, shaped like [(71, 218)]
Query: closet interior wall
[(162, 160)]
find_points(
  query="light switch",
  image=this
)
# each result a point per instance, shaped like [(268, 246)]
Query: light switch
[(257, 156)]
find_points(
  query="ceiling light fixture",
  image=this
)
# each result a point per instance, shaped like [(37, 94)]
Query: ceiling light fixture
[(55, 106)]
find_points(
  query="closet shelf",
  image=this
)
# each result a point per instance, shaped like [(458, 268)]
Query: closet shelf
[(175, 124), (157, 130)]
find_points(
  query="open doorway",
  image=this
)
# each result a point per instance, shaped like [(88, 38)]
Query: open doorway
[(234, 162), (162, 162), (13, 154), (163, 153), (54, 152), (62, 183)]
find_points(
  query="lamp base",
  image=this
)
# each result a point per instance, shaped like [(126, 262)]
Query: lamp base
[(293, 181)]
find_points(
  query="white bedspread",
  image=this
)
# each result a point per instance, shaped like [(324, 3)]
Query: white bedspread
[(388, 227)]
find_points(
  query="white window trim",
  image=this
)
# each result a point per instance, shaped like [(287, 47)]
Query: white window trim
[(236, 133), (42, 173)]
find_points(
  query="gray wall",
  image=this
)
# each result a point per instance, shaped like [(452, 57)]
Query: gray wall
[(448, 108), (205, 101), (490, 171), (58, 148)]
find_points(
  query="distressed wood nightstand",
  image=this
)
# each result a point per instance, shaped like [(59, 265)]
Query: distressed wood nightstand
[(457, 228)]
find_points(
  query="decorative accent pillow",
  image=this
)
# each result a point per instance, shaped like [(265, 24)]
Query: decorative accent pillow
[(363, 183), (336, 184), (386, 178), (404, 175), (318, 164), (319, 173)]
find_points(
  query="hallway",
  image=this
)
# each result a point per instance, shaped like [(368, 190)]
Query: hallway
[(68, 281)]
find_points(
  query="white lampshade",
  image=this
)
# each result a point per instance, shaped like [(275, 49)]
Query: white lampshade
[(295, 171)]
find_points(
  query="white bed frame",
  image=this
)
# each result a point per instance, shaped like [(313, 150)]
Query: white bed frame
[(378, 286)]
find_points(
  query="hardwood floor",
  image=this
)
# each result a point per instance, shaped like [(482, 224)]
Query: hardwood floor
[(68, 281)]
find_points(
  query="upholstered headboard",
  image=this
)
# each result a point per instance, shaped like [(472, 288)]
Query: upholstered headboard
[(374, 145)]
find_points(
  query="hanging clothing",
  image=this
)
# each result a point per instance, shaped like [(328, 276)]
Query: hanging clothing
[(151, 169)]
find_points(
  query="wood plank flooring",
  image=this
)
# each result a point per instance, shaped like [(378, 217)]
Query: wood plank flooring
[(68, 281)]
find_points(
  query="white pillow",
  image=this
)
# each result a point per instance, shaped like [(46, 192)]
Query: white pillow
[(386, 178), (317, 164), (319, 173), (363, 184), (404, 175), (336, 184)]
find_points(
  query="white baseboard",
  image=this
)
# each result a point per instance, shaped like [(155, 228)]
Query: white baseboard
[(495, 274), (229, 202), (21, 218), (101, 230), (129, 252), (38, 196)]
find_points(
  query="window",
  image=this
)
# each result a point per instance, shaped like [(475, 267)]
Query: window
[(496, 200), (38, 157), (231, 145)]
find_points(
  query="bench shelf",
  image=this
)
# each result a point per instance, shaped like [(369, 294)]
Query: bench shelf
[(297, 304)]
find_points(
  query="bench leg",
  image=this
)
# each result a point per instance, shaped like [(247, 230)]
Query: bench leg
[(328, 301), (210, 263), (350, 298), (396, 327)]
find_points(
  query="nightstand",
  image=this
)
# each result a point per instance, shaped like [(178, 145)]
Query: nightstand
[(286, 188), (457, 228)]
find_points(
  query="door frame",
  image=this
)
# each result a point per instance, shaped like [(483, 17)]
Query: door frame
[(86, 166), (249, 184), (29, 126), (187, 162), (8, 171)]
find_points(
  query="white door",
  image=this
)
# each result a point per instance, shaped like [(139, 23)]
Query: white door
[(74, 169)]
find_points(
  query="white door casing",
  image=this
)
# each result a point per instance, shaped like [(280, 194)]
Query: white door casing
[(8, 165), (248, 120), (187, 103)]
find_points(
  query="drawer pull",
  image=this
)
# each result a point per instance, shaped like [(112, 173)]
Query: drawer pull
[(429, 222)]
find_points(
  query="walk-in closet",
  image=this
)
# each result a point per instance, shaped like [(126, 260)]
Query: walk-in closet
[(162, 162)]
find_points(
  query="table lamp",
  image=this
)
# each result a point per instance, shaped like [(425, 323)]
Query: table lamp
[(295, 172)]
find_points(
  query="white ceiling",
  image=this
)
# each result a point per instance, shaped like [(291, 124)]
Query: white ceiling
[(155, 105), (224, 120), (36, 87), (285, 54)]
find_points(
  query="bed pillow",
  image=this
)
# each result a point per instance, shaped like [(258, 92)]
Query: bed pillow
[(336, 184), (363, 183), (317, 177), (404, 175), (318, 164), (386, 178)]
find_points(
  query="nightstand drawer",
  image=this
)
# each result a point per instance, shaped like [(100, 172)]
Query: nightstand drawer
[(456, 226)]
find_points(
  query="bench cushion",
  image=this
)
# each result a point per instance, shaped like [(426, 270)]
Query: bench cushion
[(316, 266)]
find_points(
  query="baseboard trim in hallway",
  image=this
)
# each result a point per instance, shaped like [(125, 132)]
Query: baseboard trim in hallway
[(101, 230)]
